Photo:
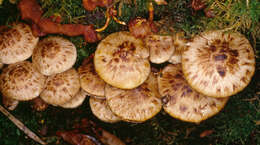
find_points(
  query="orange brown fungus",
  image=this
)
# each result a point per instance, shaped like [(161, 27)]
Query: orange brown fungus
[(140, 27), (90, 5), (31, 11), (216, 61)]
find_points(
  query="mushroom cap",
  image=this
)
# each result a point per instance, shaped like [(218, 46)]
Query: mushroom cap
[(180, 44), (10, 103), (17, 44), (161, 48), (76, 101), (21, 81), (121, 60), (181, 101), (219, 64), (101, 110), (54, 55), (135, 105), (38, 104), (90, 80), (61, 87)]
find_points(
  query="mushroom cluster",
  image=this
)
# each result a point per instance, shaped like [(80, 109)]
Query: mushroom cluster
[(48, 79), (198, 78)]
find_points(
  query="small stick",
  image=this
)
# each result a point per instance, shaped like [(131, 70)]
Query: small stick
[(21, 126)]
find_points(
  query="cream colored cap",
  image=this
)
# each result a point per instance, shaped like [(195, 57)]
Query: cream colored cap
[(54, 55), (90, 80), (161, 48), (76, 101), (121, 60), (180, 44), (135, 105), (17, 43), (61, 87), (219, 64), (21, 81), (101, 110), (181, 101)]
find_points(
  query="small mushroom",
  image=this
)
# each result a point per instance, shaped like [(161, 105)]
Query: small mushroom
[(181, 101), (219, 64), (135, 105), (17, 44), (38, 104), (10, 103), (180, 44), (101, 110), (161, 48), (21, 81), (121, 60), (54, 55), (61, 87), (76, 101), (90, 80)]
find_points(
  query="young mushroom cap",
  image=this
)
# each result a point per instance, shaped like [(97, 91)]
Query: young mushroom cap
[(135, 105), (101, 110), (61, 87), (76, 101), (180, 44), (121, 60), (54, 55), (181, 101), (219, 64), (17, 44), (21, 81), (90, 80), (10, 103), (161, 48)]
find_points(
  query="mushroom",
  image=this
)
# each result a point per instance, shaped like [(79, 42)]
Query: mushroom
[(76, 101), (219, 64), (21, 81), (181, 101), (10, 103), (121, 60), (54, 55), (180, 44), (38, 104), (135, 105), (90, 80), (101, 110), (161, 48), (61, 87), (17, 44)]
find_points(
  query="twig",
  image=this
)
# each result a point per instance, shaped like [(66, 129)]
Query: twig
[(21, 126)]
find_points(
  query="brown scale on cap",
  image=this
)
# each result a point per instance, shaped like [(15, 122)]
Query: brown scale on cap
[(17, 43), (181, 101), (21, 81), (121, 60), (216, 61)]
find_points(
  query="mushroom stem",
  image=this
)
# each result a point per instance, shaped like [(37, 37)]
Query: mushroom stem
[(21, 126), (151, 10), (118, 21), (106, 24)]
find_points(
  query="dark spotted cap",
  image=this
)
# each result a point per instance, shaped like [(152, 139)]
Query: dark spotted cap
[(219, 64), (181, 101)]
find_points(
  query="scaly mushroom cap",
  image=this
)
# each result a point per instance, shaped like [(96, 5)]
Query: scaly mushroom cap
[(90, 80), (161, 48), (76, 101), (135, 105), (61, 87), (54, 55), (181, 101), (21, 81), (180, 44), (17, 44), (219, 64), (101, 110), (10, 103), (121, 60)]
